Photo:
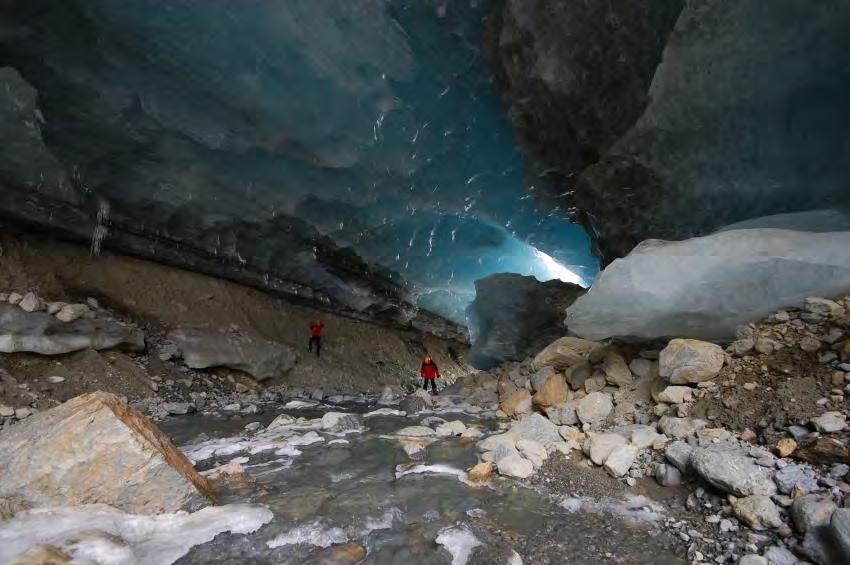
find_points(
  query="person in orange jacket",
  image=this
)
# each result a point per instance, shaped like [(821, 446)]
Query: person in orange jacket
[(316, 330), (429, 373)]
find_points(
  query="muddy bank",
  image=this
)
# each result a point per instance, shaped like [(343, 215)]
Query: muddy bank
[(357, 356)]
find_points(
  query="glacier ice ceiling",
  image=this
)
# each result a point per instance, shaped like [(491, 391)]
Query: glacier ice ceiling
[(357, 152)]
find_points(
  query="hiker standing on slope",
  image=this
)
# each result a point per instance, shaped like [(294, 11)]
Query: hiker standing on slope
[(316, 329), (429, 373)]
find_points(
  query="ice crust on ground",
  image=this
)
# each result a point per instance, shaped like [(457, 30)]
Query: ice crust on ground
[(313, 533), (98, 533), (634, 508), (459, 542), (283, 440), (436, 469), (705, 287)]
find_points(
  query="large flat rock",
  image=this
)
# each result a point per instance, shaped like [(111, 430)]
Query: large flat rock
[(39, 332), (705, 287), (96, 449), (260, 358)]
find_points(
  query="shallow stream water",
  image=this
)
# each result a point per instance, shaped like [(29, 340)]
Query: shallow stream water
[(361, 488)]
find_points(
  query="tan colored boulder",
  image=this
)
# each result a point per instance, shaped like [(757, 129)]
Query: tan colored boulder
[(481, 472), (686, 361), (552, 391), (565, 352), (96, 449), (516, 403), (785, 447), (616, 371)]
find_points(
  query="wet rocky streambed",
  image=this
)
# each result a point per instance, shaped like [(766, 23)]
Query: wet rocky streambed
[(357, 495)]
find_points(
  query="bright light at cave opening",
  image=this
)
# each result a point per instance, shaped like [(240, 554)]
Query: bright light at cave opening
[(558, 271)]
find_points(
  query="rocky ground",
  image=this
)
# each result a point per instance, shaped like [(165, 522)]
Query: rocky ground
[(746, 448)]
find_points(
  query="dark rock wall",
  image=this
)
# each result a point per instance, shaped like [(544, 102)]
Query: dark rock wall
[(656, 123), (514, 317)]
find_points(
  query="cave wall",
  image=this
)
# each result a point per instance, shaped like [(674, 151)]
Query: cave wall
[(671, 119)]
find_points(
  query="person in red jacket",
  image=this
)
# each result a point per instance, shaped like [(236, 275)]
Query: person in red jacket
[(316, 329), (429, 373)]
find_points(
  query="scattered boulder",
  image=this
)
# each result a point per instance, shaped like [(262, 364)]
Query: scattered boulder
[(594, 408), (785, 447), (177, 408), (260, 358), (480, 472), (536, 427), (620, 460), (599, 446), (829, 422), (667, 475), (563, 414), (757, 511), (578, 374), (553, 390), (96, 449), (810, 511), (680, 427), (643, 368), (793, 477), (676, 394), (515, 316), (537, 379), (533, 451), (564, 353), (281, 421), (38, 332), (822, 450), (732, 471), (686, 361), (839, 533), (517, 403), (616, 371), (646, 436), (70, 312), (30, 303), (337, 422), (515, 465)]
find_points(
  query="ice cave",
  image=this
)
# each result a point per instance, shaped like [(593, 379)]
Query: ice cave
[(425, 281)]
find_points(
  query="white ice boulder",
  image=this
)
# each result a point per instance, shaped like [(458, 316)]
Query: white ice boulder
[(705, 287)]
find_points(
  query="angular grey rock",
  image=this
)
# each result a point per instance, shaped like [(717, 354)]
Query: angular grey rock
[(616, 371), (30, 303), (679, 454), (540, 377), (644, 436), (515, 466), (643, 368), (594, 408), (752, 559), (731, 470), (563, 414), (176, 408), (536, 428), (680, 427), (829, 422), (413, 404), (793, 475), (38, 332), (811, 510), (337, 422), (705, 274), (839, 532), (260, 358), (514, 317), (599, 446), (676, 394), (667, 475), (96, 449), (778, 555), (533, 451), (620, 460)]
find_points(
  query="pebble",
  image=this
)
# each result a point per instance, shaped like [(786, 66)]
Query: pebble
[(6, 411), (22, 413), (55, 380)]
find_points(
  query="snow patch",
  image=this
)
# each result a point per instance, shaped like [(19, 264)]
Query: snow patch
[(633, 508), (436, 469), (98, 533), (385, 412), (459, 542)]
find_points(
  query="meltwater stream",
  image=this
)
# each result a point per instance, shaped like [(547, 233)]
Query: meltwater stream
[(336, 496)]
